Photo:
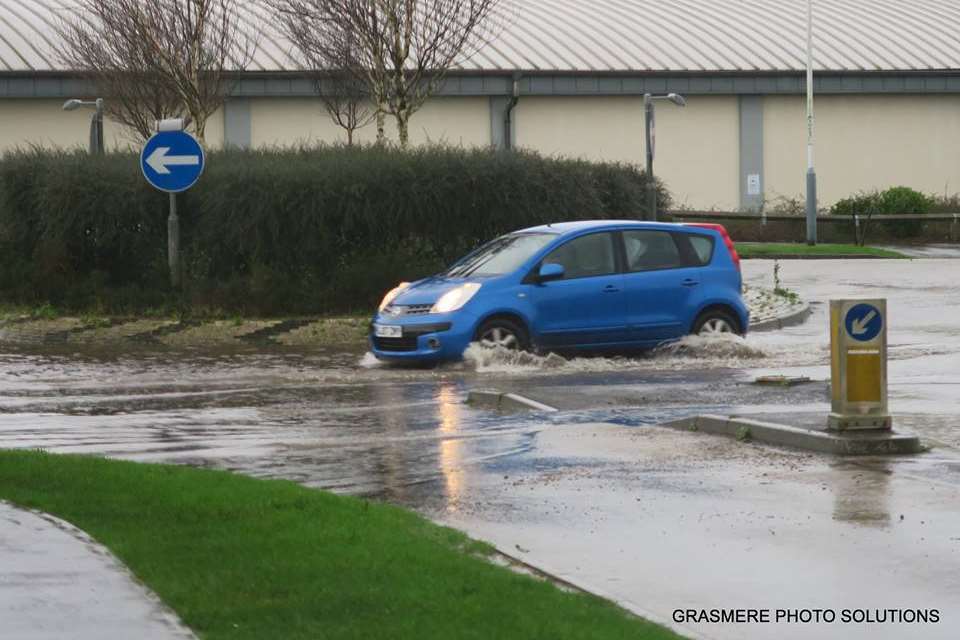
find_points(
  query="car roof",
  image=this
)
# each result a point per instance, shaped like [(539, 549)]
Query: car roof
[(565, 228)]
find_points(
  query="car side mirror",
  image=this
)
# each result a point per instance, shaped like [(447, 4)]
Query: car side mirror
[(551, 271)]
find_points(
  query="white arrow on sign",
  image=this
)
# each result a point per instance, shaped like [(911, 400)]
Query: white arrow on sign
[(159, 160), (860, 326)]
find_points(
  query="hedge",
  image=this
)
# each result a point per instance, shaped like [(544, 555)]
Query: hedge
[(280, 231), (895, 201)]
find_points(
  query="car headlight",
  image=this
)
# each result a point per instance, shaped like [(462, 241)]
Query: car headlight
[(393, 293), (455, 298)]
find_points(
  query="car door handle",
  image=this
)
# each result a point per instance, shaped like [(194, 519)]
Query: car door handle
[(610, 288), (690, 282)]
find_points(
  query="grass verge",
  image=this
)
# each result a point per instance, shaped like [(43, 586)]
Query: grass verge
[(34, 323), (238, 557), (780, 249)]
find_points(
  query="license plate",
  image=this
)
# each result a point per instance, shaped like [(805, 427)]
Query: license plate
[(387, 331)]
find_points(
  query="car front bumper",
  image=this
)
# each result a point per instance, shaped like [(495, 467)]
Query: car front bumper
[(426, 338)]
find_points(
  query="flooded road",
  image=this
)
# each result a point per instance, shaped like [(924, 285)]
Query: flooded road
[(588, 491), (337, 419)]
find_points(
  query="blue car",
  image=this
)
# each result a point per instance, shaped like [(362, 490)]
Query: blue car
[(593, 285)]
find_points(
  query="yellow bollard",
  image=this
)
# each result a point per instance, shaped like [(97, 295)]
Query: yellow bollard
[(858, 365)]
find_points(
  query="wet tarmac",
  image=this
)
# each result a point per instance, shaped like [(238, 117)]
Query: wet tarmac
[(653, 518), (334, 420)]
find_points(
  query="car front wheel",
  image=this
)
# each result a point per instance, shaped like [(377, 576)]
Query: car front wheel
[(504, 333)]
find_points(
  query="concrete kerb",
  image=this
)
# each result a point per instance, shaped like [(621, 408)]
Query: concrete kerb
[(798, 316), (512, 562), (821, 441), (499, 401), (850, 443)]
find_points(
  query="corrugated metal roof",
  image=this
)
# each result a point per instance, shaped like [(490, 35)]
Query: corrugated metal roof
[(623, 35)]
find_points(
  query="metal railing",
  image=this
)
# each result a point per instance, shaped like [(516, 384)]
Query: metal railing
[(739, 215), (855, 220)]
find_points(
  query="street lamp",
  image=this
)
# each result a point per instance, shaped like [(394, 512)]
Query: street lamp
[(650, 128), (96, 122), (811, 204)]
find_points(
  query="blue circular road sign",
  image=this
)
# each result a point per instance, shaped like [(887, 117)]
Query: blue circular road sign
[(863, 322), (172, 161)]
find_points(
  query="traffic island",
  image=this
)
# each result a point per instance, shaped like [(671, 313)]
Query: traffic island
[(803, 431)]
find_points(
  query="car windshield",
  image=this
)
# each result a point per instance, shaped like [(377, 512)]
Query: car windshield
[(500, 256)]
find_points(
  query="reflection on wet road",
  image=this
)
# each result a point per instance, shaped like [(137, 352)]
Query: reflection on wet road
[(328, 420), (318, 419)]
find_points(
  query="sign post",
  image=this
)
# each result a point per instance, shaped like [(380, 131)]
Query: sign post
[(172, 161), (858, 365)]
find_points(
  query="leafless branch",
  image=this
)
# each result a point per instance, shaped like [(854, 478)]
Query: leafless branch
[(403, 49), (153, 59), (331, 55)]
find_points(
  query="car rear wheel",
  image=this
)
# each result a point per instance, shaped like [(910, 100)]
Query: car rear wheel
[(716, 322), (504, 333)]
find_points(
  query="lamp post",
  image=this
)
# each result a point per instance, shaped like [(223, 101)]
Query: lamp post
[(811, 203), (650, 131), (96, 122)]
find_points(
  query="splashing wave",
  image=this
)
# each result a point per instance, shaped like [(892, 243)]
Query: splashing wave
[(698, 351)]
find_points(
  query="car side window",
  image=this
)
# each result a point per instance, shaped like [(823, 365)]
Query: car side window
[(651, 250), (586, 256), (702, 248)]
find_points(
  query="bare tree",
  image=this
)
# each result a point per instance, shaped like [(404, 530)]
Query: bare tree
[(157, 58), (105, 44), (332, 58), (347, 101), (405, 48)]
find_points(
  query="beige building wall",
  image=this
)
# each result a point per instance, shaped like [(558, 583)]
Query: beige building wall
[(292, 121), (43, 122), (697, 150), (215, 130), (862, 142)]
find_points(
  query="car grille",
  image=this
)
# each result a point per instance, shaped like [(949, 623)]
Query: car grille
[(409, 309), (406, 343)]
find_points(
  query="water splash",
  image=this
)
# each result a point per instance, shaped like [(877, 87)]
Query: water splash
[(497, 359), (691, 351), (723, 346), (369, 361)]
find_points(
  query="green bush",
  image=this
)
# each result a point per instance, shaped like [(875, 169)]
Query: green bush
[(893, 201), (313, 230)]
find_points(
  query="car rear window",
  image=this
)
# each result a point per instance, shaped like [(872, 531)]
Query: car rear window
[(702, 248), (648, 250)]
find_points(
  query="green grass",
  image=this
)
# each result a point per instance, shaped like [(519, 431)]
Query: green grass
[(766, 249), (238, 557)]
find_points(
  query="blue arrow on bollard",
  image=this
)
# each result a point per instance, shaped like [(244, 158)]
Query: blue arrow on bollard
[(864, 322), (172, 161)]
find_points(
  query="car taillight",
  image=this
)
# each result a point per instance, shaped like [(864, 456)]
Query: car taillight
[(727, 240)]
